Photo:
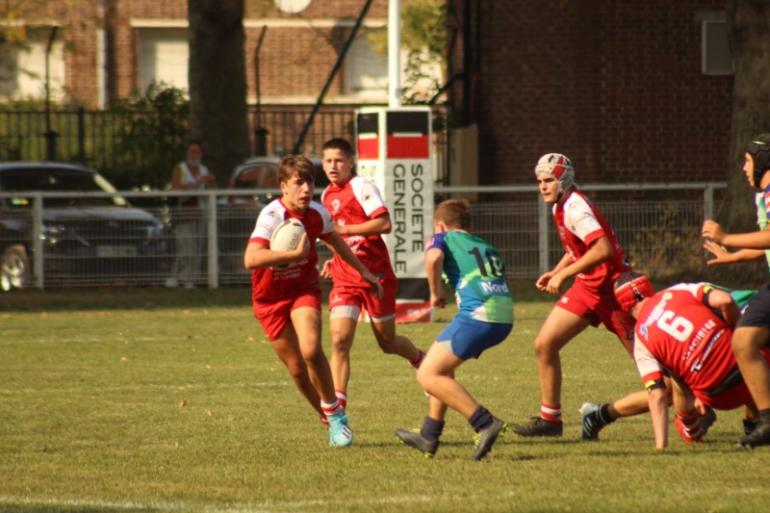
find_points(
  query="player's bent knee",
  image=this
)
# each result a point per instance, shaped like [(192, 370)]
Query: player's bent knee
[(297, 369), (745, 345), (342, 344), (424, 377), (387, 346), (314, 356), (545, 348)]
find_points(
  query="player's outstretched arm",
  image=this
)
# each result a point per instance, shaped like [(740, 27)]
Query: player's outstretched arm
[(375, 226), (600, 251), (723, 256), (659, 413), (542, 281), (257, 255), (750, 240), (434, 265), (335, 241), (326, 269)]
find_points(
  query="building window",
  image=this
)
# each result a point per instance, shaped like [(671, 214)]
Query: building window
[(366, 70), (716, 58), (163, 56), (22, 68)]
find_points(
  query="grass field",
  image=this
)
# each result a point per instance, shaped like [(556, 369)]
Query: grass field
[(166, 401)]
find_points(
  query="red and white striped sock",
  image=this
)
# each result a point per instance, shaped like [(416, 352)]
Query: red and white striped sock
[(550, 412), (342, 397), (330, 409)]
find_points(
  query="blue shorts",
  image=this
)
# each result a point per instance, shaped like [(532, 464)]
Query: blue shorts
[(468, 338)]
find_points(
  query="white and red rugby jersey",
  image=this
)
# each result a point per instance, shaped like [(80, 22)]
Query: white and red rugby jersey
[(579, 223), (675, 330), (356, 202), (268, 284)]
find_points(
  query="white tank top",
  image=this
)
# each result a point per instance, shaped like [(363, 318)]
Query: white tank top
[(186, 178)]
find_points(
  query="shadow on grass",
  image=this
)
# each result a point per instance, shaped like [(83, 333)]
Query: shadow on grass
[(122, 298), (49, 508), (539, 441), (154, 297)]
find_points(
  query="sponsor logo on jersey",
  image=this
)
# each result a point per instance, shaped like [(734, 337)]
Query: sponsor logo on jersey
[(495, 288)]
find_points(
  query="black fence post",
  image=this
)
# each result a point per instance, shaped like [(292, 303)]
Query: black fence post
[(260, 141), (81, 134), (51, 152)]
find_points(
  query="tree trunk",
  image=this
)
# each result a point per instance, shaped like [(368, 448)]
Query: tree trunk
[(217, 78), (748, 24)]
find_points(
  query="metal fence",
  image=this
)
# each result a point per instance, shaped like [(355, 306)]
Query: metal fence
[(158, 238), (124, 141), (658, 225)]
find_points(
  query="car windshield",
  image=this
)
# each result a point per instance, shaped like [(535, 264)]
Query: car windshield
[(58, 180), (257, 176), (264, 175)]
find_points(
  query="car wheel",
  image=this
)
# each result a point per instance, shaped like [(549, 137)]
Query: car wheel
[(14, 268)]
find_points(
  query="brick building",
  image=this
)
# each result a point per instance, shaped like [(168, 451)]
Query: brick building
[(632, 91), (107, 49)]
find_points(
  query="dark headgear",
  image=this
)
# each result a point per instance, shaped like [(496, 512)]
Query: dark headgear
[(759, 149)]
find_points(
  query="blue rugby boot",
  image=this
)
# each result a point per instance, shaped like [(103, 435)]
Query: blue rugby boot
[(340, 434)]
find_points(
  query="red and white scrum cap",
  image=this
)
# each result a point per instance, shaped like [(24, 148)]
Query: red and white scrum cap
[(559, 166), (632, 287)]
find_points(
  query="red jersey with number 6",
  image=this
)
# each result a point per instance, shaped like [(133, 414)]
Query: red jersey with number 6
[(677, 331), (356, 202)]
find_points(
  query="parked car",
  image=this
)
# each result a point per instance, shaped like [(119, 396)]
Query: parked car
[(262, 173), (86, 240)]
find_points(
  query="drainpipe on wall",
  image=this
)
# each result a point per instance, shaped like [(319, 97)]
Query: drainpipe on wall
[(51, 152), (394, 53), (101, 56)]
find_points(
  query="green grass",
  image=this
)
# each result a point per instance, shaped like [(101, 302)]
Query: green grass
[(168, 401)]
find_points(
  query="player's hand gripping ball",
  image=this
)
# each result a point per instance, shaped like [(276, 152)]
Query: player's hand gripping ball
[(286, 237)]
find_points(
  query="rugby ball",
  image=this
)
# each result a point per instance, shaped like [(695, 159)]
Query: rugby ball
[(286, 235)]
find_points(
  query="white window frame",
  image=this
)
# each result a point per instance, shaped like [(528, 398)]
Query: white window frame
[(362, 49), (150, 33), (708, 21), (32, 52)]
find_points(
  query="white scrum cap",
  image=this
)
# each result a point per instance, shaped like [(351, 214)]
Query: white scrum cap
[(559, 166)]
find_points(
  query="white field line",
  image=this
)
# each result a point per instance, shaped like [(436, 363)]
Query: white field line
[(183, 387), (179, 388), (178, 506), (96, 339)]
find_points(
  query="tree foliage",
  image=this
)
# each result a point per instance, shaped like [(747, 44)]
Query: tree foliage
[(12, 15), (153, 139), (424, 36), (423, 27), (15, 16)]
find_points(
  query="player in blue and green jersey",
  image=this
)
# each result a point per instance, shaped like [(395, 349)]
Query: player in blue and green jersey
[(485, 318), (752, 334)]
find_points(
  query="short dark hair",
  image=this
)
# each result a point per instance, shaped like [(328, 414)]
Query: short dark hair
[(455, 213), (338, 143), (299, 164), (759, 149)]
